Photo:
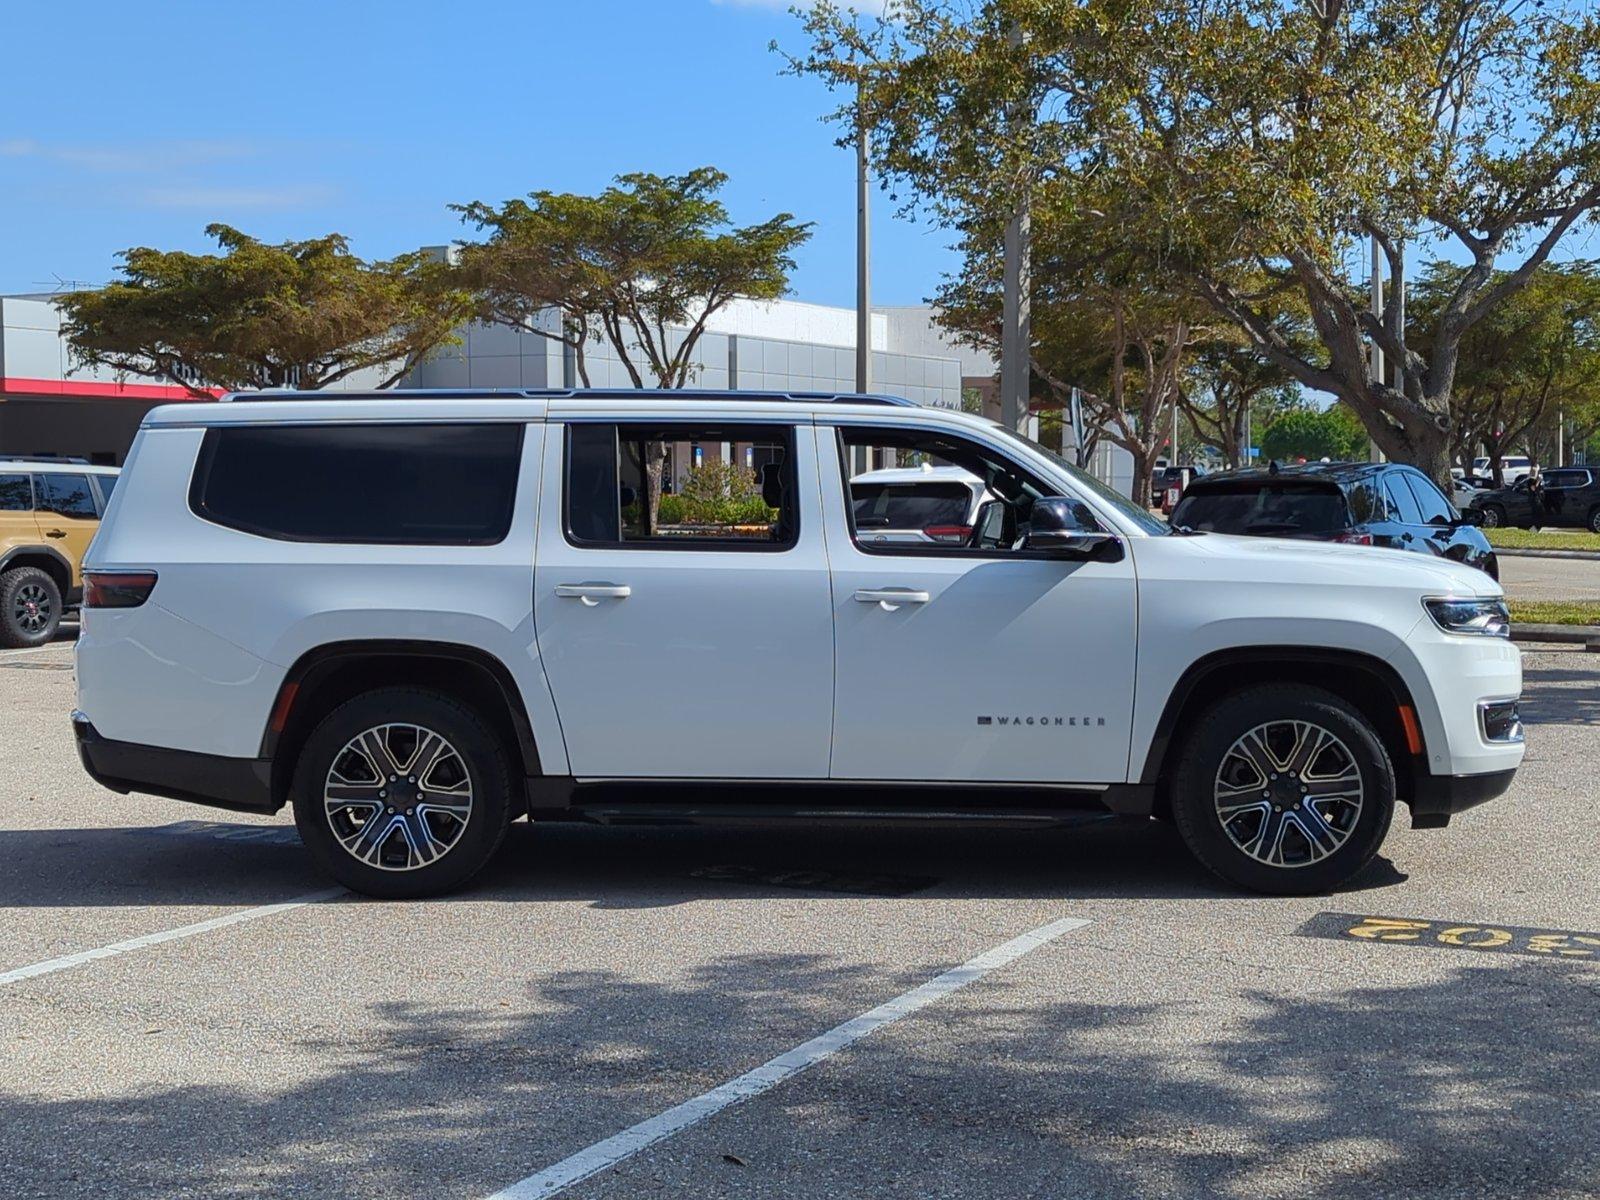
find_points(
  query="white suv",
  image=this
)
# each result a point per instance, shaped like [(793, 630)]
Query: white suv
[(419, 616)]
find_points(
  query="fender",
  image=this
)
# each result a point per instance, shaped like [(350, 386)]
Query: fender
[(1206, 668), (42, 551), (318, 663)]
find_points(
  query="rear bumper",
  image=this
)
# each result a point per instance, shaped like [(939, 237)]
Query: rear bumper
[(1436, 798), (238, 784)]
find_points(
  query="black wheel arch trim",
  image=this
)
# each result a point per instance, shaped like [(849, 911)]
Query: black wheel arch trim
[(1161, 742), (322, 660), (49, 552)]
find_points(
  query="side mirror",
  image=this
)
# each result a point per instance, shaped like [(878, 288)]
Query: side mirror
[(1067, 528)]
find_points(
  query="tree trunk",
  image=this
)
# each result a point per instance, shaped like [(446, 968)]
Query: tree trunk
[(1144, 465)]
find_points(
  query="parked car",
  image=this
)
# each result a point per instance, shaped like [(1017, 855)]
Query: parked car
[(1164, 481), (49, 512), (1365, 504), (1513, 467), (1562, 496), (917, 504), (416, 617)]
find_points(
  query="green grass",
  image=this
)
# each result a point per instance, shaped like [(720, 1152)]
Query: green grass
[(1543, 539), (1555, 612)]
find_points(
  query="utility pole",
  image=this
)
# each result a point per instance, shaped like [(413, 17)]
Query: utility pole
[(863, 267), (1016, 318)]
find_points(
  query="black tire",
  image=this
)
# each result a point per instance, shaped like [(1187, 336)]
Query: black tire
[(477, 756), (1208, 752), (30, 607), (1494, 516), (1594, 519)]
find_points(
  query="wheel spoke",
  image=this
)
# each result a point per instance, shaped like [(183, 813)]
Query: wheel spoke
[(1347, 784), (373, 745), (1309, 743), (1323, 837)]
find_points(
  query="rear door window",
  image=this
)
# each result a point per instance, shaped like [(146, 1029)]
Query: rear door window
[(909, 505), (416, 485), (1403, 506), (66, 495), (1435, 509), (1271, 510)]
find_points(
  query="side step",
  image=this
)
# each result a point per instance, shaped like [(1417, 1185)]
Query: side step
[(656, 802)]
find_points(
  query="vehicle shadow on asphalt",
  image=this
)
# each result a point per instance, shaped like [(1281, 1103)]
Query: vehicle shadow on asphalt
[(1546, 702), (1477, 1082), (218, 862)]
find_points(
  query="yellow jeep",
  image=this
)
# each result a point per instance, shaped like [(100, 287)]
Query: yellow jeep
[(49, 511)]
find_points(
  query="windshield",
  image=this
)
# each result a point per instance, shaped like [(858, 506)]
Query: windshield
[(1148, 523)]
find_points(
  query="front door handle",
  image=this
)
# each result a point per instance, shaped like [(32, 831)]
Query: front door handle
[(592, 593), (57, 533), (890, 599)]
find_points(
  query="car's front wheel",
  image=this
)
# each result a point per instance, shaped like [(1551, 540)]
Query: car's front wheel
[(1493, 516), (1284, 788), (1594, 519), (402, 793)]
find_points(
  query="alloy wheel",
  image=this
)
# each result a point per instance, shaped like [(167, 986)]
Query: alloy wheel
[(31, 608), (398, 797), (1288, 793)]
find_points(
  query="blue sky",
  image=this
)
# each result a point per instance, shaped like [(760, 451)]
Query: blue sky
[(140, 123)]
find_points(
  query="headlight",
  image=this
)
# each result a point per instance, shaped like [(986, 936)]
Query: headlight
[(1479, 618)]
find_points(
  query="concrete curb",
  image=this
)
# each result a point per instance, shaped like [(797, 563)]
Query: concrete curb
[(1518, 552), (1583, 635)]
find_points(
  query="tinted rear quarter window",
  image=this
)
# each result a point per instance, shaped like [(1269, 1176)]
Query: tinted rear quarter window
[(1271, 509), (421, 484), (16, 493)]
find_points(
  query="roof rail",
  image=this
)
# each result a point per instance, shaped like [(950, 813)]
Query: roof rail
[(46, 458), (575, 394)]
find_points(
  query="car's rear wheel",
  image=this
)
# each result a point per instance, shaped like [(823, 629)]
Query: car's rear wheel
[(1284, 788), (1494, 516), (30, 607), (402, 793)]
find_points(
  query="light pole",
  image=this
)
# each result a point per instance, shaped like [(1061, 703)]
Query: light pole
[(863, 257)]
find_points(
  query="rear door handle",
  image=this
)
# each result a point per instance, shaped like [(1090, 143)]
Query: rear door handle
[(889, 599), (55, 533), (592, 593)]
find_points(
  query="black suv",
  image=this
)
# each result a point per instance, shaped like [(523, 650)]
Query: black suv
[(1561, 496), (1368, 504)]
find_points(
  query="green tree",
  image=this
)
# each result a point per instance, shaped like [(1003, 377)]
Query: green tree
[(298, 314), (1256, 139), (645, 265), (1534, 361), (1333, 433)]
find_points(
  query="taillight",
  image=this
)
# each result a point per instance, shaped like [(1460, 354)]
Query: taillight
[(117, 589), (950, 535), (1354, 539)]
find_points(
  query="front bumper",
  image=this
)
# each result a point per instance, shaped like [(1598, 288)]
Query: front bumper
[(238, 784), (1435, 798)]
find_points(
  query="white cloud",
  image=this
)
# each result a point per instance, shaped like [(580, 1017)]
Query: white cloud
[(130, 158), (201, 196)]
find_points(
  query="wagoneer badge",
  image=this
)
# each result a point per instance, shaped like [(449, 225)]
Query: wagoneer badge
[(1041, 721)]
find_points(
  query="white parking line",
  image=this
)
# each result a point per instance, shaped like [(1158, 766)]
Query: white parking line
[(631, 1141), (169, 935)]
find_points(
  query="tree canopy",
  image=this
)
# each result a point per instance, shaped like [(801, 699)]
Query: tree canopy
[(1333, 433), (1254, 145), (649, 255), (299, 314)]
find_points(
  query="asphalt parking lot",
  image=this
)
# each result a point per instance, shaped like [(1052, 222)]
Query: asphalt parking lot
[(1156, 1035)]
